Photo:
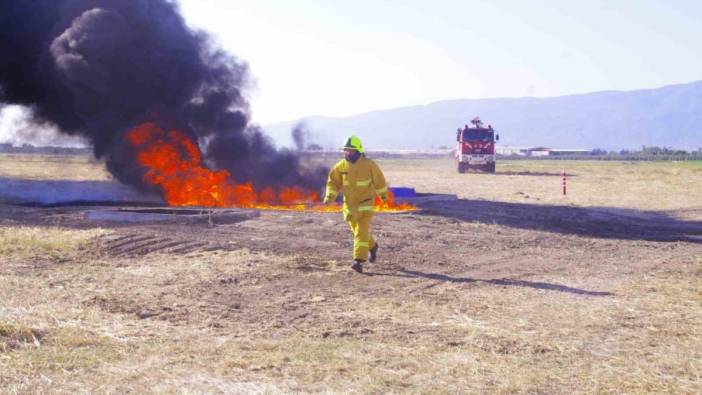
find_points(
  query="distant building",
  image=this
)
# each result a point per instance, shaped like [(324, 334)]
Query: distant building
[(508, 151), (568, 152), (541, 151)]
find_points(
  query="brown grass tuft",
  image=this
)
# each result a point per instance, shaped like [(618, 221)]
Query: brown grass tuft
[(47, 242)]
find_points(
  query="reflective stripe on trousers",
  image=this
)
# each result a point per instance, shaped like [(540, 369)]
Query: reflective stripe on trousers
[(346, 211)]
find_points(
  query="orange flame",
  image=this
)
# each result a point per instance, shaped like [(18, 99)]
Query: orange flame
[(173, 162)]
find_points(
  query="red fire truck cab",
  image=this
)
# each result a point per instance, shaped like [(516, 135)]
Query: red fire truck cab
[(475, 148)]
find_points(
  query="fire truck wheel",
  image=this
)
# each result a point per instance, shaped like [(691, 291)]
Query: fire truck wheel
[(461, 168), (490, 167)]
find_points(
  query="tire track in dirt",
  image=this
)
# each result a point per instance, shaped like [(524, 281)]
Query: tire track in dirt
[(125, 241), (134, 244), (127, 249)]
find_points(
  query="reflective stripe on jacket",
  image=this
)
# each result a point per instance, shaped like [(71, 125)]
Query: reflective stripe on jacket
[(359, 182)]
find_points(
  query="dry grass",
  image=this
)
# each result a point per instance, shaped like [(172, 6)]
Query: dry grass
[(43, 242), (52, 167), (643, 341), (465, 339), (74, 327)]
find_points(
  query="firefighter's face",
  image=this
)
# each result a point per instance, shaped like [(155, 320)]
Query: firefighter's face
[(350, 154)]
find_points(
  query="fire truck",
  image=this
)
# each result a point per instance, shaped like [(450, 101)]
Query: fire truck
[(476, 147)]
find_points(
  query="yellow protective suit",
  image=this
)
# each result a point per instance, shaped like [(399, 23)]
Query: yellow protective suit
[(359, 182)]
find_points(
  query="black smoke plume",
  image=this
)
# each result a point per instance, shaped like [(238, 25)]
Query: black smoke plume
[(97, 68)]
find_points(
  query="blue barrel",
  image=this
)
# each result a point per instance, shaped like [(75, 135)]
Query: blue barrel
[(403, 192)]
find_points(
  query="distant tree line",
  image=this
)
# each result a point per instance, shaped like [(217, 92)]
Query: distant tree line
[(648, 153), (645, 153)]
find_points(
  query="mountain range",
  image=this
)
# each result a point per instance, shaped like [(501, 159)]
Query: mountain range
[(670, 116)]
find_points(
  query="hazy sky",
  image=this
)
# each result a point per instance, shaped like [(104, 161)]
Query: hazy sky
[(332, 57)]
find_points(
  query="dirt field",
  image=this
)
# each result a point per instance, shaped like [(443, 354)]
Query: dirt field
[(512, 288)]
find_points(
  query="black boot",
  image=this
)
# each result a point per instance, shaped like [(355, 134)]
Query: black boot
[(373, 252), (357, 266)]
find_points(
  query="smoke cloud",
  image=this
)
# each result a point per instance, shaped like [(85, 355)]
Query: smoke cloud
[(97, 68), (300, 135), (18, 127)]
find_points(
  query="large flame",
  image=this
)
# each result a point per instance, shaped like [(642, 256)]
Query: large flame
[(173, 162)]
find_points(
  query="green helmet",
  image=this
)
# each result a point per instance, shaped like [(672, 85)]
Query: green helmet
[(353, 142)]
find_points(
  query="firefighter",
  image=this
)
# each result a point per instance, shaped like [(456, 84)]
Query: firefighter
[(359, 179)]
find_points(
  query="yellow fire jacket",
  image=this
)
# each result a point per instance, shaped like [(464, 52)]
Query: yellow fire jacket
[(359, 182)]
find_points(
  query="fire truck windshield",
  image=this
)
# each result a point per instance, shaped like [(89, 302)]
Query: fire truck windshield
[(477, 135)]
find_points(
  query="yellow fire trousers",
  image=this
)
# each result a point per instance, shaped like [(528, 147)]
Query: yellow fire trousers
[(362, 239)]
